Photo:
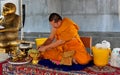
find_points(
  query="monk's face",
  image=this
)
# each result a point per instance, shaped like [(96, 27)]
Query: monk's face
[(55, 24)]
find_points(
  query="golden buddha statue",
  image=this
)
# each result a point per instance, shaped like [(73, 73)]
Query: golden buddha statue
[(11, 26)]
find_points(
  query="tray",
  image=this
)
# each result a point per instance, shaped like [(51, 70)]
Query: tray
[(20, 62)]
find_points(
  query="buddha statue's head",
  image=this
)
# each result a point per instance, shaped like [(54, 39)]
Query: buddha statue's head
[(8, 8)]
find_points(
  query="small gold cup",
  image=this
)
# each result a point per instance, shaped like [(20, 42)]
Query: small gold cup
[(35, 56)]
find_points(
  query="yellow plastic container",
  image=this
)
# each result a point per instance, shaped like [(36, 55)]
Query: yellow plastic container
[(40, 41), (101, 56)]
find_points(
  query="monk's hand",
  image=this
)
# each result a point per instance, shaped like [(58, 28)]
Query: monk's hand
[(42, 48), (39, 47)]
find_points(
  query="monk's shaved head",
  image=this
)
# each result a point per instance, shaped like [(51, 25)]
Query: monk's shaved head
[(54, 17)]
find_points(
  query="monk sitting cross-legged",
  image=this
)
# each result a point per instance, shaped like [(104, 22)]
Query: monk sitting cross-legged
[(64, 46)]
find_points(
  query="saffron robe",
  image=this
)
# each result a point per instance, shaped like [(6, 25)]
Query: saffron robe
[(68, 31)]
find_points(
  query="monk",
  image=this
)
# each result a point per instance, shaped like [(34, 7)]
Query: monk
[(64, 41)]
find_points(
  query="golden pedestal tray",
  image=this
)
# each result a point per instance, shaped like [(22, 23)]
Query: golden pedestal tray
[(22, 55), (19, 62)]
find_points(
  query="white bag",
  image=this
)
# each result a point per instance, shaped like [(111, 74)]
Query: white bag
[(115, 57), (104, 44)]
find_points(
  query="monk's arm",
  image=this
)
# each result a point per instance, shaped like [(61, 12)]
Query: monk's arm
[(49, 44), (55, 44), (50, 38)]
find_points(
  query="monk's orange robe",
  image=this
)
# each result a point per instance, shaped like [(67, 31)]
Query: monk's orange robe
[(68, 31)]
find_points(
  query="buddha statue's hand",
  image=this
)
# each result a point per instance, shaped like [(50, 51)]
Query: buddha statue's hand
[(2, 30), (1, 19)]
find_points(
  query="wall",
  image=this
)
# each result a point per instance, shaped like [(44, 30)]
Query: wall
[(37, 13), (93, 15), (90, 15), (97, 37), (96, 18)]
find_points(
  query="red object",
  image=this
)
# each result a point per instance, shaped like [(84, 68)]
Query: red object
[(1, 67)]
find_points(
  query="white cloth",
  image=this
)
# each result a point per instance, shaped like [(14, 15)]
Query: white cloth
[(115, 57)]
